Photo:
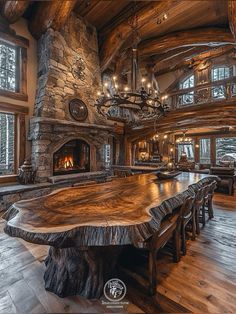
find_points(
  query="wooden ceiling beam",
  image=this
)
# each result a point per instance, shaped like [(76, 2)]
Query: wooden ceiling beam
[(118, 36), (210, 36), (187, 60), (176, 59), (50, 14), (12, 10), (189, 117), (232, 16)]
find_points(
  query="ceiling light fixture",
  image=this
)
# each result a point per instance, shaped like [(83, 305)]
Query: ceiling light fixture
[(131, 104)]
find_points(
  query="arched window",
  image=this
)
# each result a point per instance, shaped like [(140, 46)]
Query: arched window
[(188, 98), (187, 83)]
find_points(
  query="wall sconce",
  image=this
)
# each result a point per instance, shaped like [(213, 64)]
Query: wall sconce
[(197, 146), (165, 136)]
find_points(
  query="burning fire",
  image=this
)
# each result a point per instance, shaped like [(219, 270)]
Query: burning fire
[(68, 162)]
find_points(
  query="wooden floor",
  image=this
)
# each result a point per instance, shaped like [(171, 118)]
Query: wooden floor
[(204, 281)]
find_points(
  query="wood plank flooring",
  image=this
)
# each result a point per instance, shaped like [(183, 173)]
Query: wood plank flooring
[(204, 281)]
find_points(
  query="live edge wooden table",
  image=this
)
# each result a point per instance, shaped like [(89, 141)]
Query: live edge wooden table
[(86, 227)]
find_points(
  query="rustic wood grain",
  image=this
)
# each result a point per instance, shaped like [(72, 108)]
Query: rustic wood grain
[(124, 211), (14, 9), (201, 282), (232, 16), (118, 36), (50, 14), (195, 37), (88, 226)]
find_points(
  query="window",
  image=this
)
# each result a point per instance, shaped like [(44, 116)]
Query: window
[(220, 73), (226, 149), (9, 67), (188, 98), (218, 92), (188, 149), (13, 67), (187, 83), (7, 143), (205, 150)]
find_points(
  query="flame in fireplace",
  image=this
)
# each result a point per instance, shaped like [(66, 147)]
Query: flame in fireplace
[(68, 162)]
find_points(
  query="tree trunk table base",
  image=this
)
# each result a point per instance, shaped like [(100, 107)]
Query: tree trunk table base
[(80, 271)]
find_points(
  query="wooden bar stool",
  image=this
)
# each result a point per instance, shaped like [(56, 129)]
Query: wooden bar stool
[(209, 203), (198, 204), (187, 216)]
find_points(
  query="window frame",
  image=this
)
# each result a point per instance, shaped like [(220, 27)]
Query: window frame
[(186, 79), (21, 44), (220, 67), (19, 141), (210, 157)]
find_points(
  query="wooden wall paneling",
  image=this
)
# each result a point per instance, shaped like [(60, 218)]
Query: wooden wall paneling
[(7, 107), (213, 151), (23, 72), (232, 16), (197, 149), (21, 140)]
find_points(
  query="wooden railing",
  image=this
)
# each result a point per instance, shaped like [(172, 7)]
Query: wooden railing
[(203, 94)]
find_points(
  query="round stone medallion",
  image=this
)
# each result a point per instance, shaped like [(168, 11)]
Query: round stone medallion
[(78, 109)]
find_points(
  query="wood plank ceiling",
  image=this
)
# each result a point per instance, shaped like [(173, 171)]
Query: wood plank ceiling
[(206, 20)]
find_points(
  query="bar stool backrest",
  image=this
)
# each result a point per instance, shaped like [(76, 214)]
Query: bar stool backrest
[(199, 199), (187, 206)]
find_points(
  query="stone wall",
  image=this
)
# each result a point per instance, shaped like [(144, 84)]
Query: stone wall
[(68, 67)]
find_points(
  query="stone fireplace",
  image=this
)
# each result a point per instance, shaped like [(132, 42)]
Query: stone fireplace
[(68, 72), (72, 157)]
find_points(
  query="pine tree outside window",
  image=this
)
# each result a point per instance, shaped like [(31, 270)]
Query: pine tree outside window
[(9, 67)]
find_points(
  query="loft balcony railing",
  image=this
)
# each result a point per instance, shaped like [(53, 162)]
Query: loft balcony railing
[(205, 93)]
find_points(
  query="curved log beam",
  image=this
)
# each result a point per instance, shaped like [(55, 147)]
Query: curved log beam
[(190, 58), (13, 10), (232, 16), (50, 14), (211, 36), (191, 117), (123, 31)]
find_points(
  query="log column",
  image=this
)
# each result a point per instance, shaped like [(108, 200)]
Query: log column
[(82, 271)]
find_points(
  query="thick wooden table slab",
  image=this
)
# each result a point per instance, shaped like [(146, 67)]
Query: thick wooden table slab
[(86, 226)]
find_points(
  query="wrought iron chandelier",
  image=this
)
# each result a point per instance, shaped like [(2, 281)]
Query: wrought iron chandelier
[(134, 104), (184, 140)]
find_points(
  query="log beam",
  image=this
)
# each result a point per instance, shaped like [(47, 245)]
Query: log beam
[(191, 117), (189, 58), (123, 31), (50, 14), (210, 36), (13, 10), (232, 16)]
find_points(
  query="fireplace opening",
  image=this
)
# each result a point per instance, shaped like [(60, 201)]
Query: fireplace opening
[(72, 157)]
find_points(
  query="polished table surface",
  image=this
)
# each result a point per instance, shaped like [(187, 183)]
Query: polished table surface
[(87, 227), (122, 202)]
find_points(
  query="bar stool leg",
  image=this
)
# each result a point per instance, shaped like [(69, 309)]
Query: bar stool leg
[(197, 222), (203, 215), (193, 227)]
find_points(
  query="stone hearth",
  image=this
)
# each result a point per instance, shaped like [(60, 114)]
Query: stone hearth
[(68, 68)]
